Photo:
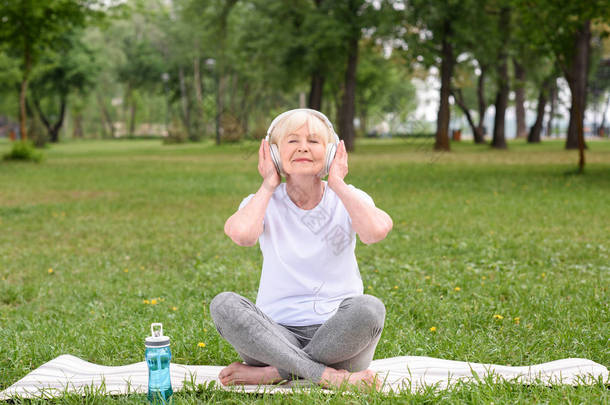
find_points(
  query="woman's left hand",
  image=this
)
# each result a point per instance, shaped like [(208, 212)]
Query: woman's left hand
[(338, 167)]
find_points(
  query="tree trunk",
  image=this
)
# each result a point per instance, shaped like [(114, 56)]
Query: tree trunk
[(520, 98), (577, 80), (499, 139), (553, 100), (186, 111), (602, 124), (317, 82), (536, 129), (197, 81), (78, 125), (23, 92), (52, 129), (315, 92), (132, 116), (220, 84), (221, 65), (105, 114), (459, 99), (442, 121), (348, 103), (198, 113), (479, 134)]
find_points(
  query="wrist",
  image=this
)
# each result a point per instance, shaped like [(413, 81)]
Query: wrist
[(335, 182), (268, 186)]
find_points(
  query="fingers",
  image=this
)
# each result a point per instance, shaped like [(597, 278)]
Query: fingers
[(261, 153), (341, 152)]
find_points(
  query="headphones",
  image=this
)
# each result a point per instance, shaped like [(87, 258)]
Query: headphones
[(331, 147)]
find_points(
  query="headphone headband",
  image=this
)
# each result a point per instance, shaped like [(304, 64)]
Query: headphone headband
[(317, 113)]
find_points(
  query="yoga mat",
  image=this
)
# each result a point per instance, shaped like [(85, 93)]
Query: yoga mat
[(68, 373)]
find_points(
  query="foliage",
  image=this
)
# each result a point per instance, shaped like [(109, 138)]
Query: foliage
[(24, 150), (386, 92)]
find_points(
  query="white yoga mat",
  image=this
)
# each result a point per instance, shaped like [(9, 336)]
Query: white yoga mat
[(67, 373)]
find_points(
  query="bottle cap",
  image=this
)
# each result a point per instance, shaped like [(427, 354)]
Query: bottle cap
[(156, 338)]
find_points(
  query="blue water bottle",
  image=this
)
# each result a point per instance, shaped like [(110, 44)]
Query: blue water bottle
[(158, 357)]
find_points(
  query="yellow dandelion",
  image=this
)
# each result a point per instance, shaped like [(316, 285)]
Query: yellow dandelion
[(376, 271), (433, 329), (145, 302), (498, 316), (216, 257), (174, 308), (543, 275), (396, 287), (419, 290), (201, 344), (427, 277), (126, 270), (484, 278), (457, 289), (517, 320), (50, 271), (370, 287), (154, 301), (205, 330)]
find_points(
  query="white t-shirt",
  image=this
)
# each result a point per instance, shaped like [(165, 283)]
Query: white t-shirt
[(309, 265)]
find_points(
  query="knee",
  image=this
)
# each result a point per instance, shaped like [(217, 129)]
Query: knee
[(220, 303), (370, 310)]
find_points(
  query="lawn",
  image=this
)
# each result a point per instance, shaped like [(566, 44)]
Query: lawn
[(504, 254)]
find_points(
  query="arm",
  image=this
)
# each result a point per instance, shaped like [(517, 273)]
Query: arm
[(370, 223), (246, 225)]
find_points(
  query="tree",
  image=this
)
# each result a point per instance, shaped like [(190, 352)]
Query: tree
[(564, 27), (435, 33), (29, 26), (72, 69), (545, 93), (481, 42), (504, 26), (385, 90)]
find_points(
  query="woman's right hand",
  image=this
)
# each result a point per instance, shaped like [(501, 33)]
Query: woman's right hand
[(266, 167)]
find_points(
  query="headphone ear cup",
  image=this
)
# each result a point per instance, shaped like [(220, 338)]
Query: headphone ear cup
[(331, 149), (275, 156)]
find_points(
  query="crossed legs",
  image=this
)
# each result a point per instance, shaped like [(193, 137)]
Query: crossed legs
[(339, 351)]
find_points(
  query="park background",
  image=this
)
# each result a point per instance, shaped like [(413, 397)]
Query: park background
[(479, 126)]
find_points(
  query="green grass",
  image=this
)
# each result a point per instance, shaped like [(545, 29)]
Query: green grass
[(120, 222)]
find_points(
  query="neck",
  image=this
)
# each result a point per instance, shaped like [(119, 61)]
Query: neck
[(305, 192)]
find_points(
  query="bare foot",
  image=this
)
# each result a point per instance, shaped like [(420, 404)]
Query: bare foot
[(241, 374), (360, 379)]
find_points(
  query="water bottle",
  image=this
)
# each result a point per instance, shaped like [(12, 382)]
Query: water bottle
[(158, 357)]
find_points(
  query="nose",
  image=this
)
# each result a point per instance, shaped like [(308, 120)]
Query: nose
[(303, 146)]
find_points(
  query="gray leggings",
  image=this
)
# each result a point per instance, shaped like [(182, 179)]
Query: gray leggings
[(347, 340)]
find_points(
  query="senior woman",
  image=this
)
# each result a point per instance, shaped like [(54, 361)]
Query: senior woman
[(311, 319)]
